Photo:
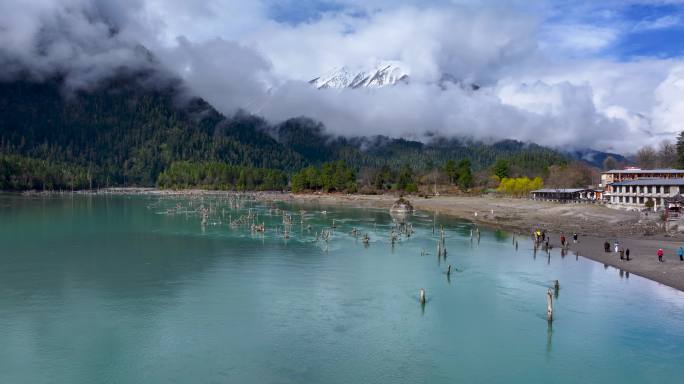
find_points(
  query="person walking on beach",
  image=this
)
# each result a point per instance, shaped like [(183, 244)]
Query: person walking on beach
[(680, 252), (562, 240), (606, 246), (574, 237), (617, 246), (622, 254), (660, 254), (627, 254)]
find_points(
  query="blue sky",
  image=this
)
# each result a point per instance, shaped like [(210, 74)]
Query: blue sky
[(658, 30), (641, 28)]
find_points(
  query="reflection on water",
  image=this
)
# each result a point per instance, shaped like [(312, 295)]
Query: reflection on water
[(549, 337), (141, 289)]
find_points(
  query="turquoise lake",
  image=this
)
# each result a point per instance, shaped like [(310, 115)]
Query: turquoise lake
[(136, 289)]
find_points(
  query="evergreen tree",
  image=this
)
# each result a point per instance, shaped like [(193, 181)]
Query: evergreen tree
[(680, 149), (502, 169), (405, 177), (451, 170), (465, 174)]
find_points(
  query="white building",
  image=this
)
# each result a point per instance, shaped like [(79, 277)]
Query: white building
[(635, 193), (618, 175)]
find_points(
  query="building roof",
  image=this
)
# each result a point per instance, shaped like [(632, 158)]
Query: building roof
[(649, 182), (631, 171), (562, 190)]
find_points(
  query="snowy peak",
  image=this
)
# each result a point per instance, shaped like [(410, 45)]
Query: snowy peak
[(381, 75)]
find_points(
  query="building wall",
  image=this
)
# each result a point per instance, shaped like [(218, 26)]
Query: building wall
[(607, 178), (614, 177), (635, 196)]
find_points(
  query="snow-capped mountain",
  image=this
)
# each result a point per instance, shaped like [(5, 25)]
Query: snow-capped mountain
[(382, 74)]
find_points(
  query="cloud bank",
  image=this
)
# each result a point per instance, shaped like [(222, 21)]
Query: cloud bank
[(547, 74)]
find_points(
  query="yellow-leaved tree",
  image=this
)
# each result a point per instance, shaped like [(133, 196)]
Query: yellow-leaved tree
[(519, 186)]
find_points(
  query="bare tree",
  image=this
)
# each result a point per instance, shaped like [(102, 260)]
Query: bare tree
[(646, 157), (573, 175), (667, 154), (610, 163)]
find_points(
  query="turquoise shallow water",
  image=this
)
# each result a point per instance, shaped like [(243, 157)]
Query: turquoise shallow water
[(116, 290)]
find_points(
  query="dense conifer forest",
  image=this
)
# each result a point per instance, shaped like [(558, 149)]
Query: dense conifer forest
[(133, 131)]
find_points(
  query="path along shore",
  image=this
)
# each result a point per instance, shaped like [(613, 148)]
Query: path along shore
[(593, 223)]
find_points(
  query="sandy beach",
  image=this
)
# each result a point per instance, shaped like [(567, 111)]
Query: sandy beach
[(593, 223)]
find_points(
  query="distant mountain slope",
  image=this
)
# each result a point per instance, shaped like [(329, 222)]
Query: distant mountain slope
[(126, 132), (595, 158), (309, 139)]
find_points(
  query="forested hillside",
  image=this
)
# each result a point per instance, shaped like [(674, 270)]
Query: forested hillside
[(124, 134), (309, 139), (130, 130)]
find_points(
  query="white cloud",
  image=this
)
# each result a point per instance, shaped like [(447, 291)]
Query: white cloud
[(542, 81), (668, 112), (578, 39), (667, 21)]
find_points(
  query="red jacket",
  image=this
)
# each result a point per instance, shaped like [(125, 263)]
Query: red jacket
[(660, 252)]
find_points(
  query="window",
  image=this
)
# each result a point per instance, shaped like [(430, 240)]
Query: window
[(666, 189), (641, 200), (649, 189)]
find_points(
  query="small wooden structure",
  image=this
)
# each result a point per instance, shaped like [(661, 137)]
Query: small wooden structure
[(567, 194), (674, 205)]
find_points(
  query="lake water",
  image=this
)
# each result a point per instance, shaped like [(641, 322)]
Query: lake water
[(137, 290)]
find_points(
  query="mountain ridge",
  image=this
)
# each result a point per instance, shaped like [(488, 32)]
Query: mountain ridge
[(382, 74), (125, 133)]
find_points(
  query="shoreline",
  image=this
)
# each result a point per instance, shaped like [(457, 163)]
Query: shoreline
[(643, 260), (594, 224)]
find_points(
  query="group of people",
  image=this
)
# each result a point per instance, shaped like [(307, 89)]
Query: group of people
[(624, 253), (661, 253), (564, 242), (540, 237)]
